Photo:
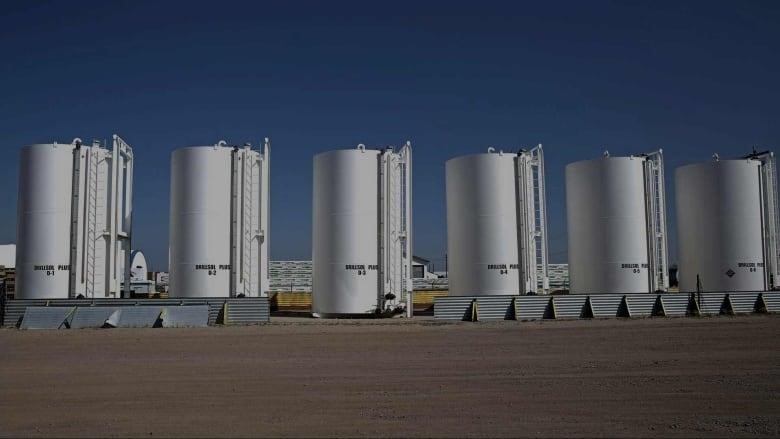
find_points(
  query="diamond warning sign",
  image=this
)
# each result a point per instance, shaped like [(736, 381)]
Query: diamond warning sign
[(730, 273)]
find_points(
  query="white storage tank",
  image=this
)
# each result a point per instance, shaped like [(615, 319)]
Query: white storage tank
[(496, 240), (44, 211), (219, 221), (361, 247), (721, 228), (616, 225), (74, 220)]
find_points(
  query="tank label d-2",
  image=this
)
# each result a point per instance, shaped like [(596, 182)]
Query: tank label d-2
[(360, 269), (503, 268), (212, 268)]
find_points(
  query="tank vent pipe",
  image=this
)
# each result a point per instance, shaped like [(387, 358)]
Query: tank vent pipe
[(491, 150), (361, 147), (221, 143)]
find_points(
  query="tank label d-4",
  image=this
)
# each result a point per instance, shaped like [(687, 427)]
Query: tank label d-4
[(503, 268)]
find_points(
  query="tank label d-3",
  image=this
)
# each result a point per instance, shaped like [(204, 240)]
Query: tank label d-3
[(212, 268), (360, 269)]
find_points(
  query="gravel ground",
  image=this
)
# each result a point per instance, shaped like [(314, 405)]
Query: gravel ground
[(299, 377)]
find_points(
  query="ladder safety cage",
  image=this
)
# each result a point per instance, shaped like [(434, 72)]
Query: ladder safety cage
[(395, 233), (532, 222), (249, 221), (769, 207), (101, 219), (655, 216)]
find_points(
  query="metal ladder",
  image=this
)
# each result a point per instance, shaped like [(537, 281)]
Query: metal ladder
[(91, 235), (247, 226), (656, 221)]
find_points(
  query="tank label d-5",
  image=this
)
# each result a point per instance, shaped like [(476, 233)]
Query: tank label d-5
[(635, 268)]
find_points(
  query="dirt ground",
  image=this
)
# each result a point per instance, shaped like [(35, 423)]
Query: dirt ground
[(645, 377)]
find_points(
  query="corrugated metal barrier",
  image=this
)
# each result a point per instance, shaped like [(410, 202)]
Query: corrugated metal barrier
[(709, 304), (675, 305), (570, 307), (89, 313), (494, 308), (185, 316), (607, 305), (534, 308), (771, 301), (247, 311), (453, 308), (641, 305), (91, 316), (744, 303), (46, 317)]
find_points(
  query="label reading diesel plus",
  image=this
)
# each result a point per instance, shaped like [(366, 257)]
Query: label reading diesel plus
[(635, 268), (50, 269), (360, 269), (212, 268), (503, 268)]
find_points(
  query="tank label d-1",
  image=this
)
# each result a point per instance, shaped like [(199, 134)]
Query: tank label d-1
[(212, 268), (50, 269), (360, 268)]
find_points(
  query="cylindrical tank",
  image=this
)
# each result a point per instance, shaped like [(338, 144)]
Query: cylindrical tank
[(607, 226), (719, 226), (482, 215), (44, 219), (200, 221), (345, 224)]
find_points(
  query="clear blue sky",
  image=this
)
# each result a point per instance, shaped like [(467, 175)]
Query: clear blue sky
[(453, 77)]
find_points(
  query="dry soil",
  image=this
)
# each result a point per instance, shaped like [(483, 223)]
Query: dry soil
[(645, 377)]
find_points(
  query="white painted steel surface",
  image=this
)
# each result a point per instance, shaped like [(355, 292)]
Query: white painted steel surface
[(218, 222), (607, 226), (200, 222), (8, 255), (345, 246), (482, 225), (719, 226), (44, 221), (361, 253)]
